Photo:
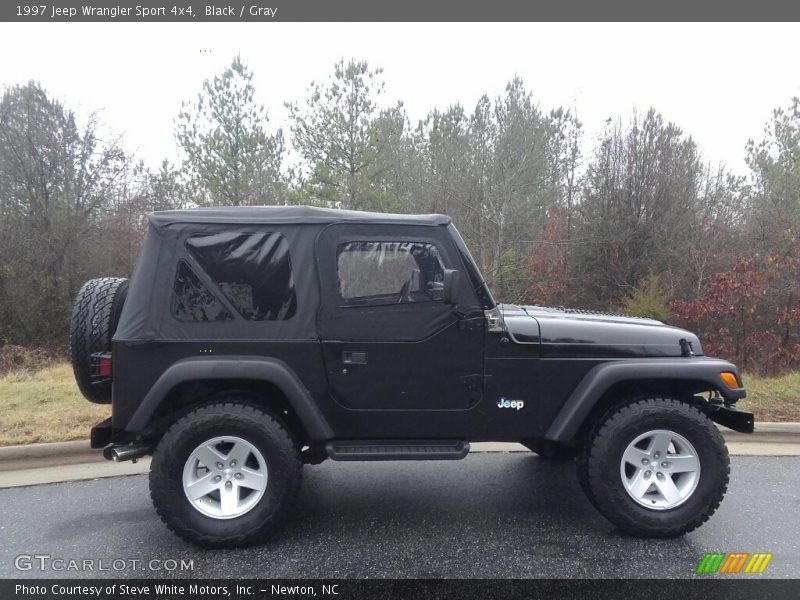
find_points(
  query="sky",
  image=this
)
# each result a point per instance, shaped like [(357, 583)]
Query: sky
[(718, 82)]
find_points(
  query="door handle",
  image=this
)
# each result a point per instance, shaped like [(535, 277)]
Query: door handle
[(354, 358)]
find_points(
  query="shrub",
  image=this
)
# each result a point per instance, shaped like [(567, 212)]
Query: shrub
[(749, 315), (649, 300), (21, 359)]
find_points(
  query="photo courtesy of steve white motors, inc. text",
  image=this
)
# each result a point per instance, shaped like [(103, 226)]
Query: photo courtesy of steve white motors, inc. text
[(171, 590), (144, 12)]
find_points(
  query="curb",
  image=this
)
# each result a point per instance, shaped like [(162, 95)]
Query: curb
[(56, 453), (47, 450), (48, 455)]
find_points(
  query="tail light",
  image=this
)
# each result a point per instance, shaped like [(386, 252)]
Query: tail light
[(101, 367)]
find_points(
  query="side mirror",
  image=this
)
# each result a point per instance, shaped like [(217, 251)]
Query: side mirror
[(450, 291)]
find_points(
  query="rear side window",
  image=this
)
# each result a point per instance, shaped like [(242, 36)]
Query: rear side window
[(192, 301), (377, 273), (253, 270)]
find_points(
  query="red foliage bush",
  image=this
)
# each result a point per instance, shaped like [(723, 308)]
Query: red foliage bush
[(751, 314)]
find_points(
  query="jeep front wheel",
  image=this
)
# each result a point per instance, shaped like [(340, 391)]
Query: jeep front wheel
[(657, 467), (224, 474)]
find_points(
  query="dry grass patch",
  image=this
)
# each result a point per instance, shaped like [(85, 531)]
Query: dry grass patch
[(773, 398), (45, 406)]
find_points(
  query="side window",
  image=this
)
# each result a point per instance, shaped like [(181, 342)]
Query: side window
[(253, 270), (378, 273), (192, 301)]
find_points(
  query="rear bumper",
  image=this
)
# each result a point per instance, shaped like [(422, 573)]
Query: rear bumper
[(101, 434)]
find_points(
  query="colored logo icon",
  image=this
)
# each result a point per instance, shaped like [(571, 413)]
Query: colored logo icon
[(733, 563)]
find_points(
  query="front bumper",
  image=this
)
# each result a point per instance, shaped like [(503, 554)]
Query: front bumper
[(732, 418)]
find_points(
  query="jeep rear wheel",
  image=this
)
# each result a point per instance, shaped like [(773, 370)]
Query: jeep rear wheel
[(657, 467), (225, 477), (94, 320), (224, 474)]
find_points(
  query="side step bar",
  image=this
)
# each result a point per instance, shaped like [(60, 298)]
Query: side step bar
[(397, 449)]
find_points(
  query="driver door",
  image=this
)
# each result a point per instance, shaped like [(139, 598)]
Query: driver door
[(390, 341)]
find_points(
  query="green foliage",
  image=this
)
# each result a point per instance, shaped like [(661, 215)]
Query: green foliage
[(230, 156), (349, 143), (497, 172), (166, 188), (649, 300), (775, 164)]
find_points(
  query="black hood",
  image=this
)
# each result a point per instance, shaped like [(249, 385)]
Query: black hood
[(564, 332)]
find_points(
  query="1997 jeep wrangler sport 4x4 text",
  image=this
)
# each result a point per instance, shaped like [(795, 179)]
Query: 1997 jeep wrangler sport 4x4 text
[(253, 340)]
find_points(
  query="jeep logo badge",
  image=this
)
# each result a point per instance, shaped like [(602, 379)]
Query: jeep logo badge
[(506, 403)]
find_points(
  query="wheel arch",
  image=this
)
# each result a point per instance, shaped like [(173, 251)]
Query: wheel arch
[(200, 380), (611, 383)]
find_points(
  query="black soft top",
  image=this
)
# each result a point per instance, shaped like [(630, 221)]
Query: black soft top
[(147, 312), (287, 215)]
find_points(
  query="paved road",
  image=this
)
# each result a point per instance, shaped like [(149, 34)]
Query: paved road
[(490, 515)]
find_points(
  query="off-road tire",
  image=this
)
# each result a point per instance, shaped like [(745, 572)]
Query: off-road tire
[(235, 417), (94, 320), (599, 467)]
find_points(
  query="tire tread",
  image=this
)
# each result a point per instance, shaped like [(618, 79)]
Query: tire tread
[(232, 411), (93, 323), (611, 501)]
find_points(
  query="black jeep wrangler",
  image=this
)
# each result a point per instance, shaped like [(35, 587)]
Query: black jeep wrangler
[(253, 340)]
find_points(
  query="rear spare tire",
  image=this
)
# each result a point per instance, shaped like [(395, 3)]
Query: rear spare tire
[(94, 320)]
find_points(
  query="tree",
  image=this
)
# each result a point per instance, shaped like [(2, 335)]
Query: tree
[(56, 180), (347, 140), (525, 178), (229, 154), (165, 189), (774, 215), (442, 145), (648, 205), (548, 261)]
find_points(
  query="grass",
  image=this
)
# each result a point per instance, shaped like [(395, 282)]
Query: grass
[(773, 398), (46, 406)]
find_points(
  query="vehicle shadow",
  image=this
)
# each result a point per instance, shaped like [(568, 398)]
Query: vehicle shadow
[(476, 492)]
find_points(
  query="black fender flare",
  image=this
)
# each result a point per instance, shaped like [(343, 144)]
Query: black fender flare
[(266, 369), (600, 379)]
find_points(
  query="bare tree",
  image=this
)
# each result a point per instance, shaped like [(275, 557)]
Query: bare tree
[(55, 179)]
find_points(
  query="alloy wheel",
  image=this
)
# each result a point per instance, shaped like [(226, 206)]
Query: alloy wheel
[(660, 469), (225, 477)]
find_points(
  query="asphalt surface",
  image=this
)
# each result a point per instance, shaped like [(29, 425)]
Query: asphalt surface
[(490, 515)]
